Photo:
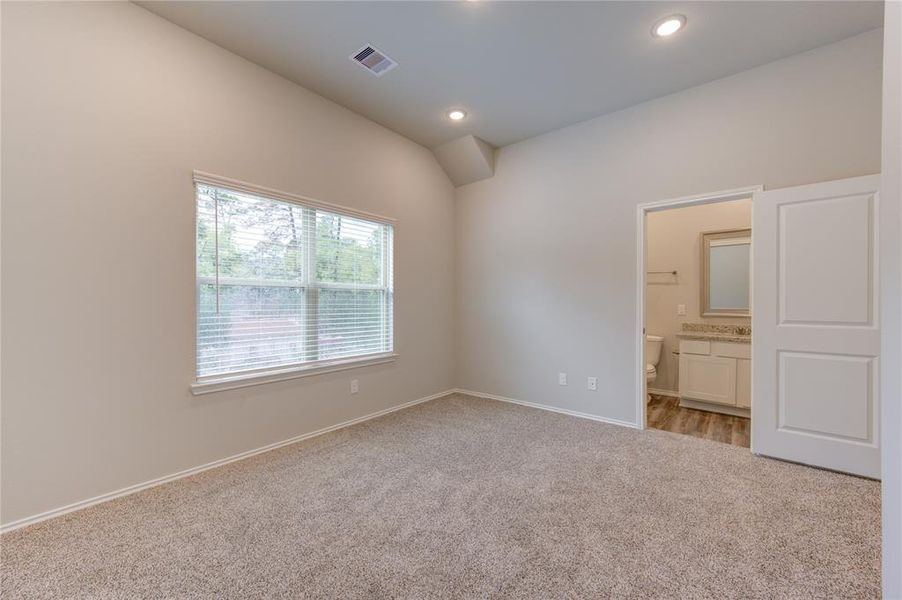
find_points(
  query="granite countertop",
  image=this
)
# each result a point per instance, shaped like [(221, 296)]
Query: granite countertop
[(715, 337), (738, 334)]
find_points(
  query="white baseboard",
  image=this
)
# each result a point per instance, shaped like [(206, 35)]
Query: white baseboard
[(563, 411), (56, 512), (669, 393)]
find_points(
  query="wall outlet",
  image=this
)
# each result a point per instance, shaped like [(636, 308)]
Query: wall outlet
[(562, 379), (592, 385), (355, 386), (681, 310)]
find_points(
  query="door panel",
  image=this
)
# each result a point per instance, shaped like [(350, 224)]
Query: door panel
[(816, 340), (813, 259), (814, 390)]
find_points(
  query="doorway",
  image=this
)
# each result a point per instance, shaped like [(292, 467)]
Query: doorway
[(694, 316)]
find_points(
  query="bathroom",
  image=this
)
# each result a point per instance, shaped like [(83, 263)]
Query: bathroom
[(698, 320)]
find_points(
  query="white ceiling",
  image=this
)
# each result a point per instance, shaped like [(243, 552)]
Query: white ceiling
[(518, 68)]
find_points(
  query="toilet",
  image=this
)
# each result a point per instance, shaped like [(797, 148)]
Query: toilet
[(653, 344)]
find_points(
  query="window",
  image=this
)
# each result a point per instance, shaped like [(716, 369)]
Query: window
[(285, 283)]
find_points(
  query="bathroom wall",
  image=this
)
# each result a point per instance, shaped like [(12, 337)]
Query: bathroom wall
[(673, 243)]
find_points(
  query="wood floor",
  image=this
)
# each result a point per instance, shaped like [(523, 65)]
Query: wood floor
[(665, 413)]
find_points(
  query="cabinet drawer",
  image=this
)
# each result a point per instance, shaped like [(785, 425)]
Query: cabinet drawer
[(731, 350), (695, 347)]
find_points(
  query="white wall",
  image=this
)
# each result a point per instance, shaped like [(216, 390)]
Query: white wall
[(673, 243), (546, 249), (106, 110), (891, 301)]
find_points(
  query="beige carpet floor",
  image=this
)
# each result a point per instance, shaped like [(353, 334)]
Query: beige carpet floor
[(462, 497)]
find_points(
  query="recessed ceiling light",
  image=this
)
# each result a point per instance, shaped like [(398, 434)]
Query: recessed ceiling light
[(456, 115), (668, 26)]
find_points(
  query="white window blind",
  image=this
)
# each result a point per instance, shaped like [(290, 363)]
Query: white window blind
[(282, 284)]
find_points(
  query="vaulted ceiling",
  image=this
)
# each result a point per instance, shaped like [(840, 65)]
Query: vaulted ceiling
[(518, 68)]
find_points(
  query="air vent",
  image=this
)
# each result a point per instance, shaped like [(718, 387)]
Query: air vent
[(373, 61)]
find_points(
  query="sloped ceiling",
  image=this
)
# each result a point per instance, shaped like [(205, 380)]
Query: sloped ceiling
[(518, 68)]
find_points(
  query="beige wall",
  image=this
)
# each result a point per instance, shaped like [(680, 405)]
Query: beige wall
[(891, 301), (106, 110), (673, 243), (546, 249)]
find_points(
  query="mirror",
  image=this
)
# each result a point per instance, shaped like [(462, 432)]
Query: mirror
[(726, 273)]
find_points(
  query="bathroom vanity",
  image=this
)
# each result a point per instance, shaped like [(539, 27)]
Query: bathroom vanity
[(716, 368), (716, 360)]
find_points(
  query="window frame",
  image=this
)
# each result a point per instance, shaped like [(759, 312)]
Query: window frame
[(238, 379)]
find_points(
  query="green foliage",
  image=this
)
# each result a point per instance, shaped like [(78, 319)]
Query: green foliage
[(206, 241), (262, 313), (346, 259), (263, 240)]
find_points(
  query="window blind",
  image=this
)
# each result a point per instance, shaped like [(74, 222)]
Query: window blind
[(281, 283)]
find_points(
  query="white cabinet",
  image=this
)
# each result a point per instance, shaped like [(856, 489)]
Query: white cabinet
[(708, 378), (743, 383), (715, 376)]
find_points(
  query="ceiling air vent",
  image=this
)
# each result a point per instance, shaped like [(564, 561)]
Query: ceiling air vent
[(373, 61)]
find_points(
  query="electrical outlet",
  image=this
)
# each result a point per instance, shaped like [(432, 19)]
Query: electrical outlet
[(592, 385), (355, 386), (562, 379), (681, 310)]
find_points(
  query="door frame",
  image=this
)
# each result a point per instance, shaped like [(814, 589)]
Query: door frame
[(642, 211)]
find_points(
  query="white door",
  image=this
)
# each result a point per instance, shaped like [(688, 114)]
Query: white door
[(816, 339)]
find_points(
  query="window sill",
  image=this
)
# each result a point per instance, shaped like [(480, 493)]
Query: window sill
[(231, 382)]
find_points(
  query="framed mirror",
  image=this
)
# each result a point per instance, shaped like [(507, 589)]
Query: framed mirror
[(726, 273)]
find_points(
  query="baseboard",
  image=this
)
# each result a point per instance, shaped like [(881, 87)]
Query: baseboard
[(132, 489), (668, 393), (555, 409)]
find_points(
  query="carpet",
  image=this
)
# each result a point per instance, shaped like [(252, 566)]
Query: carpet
[(464, 497)]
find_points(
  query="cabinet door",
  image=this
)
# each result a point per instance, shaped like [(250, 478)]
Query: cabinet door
[(708, 378), (744, 383)]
